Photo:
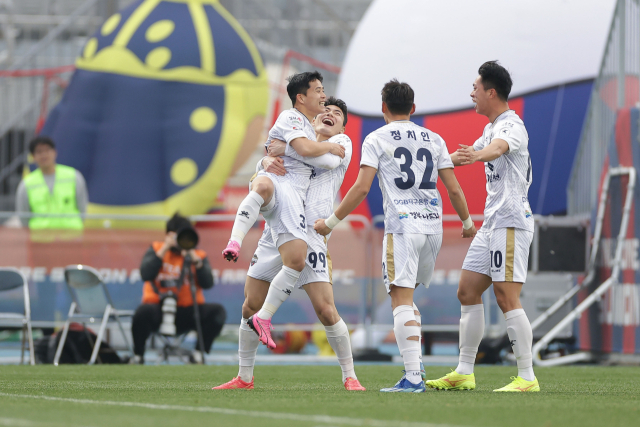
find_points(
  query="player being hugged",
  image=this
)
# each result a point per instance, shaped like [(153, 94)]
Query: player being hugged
[(499, 254), (408, 160), (281, 198)]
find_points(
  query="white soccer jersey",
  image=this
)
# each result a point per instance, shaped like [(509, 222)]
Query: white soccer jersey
[(408, 157), (292, 124), (327, 177), (509, 176), (325, 183)]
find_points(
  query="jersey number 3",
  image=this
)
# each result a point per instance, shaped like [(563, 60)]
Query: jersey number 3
[(422, 155)]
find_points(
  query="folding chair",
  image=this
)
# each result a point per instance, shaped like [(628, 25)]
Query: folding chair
[(171, 346), (90, 301), (11, 278)]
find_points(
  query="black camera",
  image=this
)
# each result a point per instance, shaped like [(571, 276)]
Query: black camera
[(187, 238)]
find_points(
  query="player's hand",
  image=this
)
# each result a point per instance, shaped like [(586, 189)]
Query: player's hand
[(195, 259), (276, 148), (275, 165), (466, 154), (471, 232), (321, 228), (336, 149)]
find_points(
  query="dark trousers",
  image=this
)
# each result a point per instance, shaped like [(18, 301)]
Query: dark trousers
[(148, 317)]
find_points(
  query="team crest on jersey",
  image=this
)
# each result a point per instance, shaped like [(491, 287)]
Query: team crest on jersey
[(528, 214), (254, 260), (403, 215)]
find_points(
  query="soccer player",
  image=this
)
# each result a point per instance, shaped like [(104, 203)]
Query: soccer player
[(500, 251), (316, 276), (281, 198), (408, 160)]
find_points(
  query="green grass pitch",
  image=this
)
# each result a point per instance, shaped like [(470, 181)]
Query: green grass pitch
[(308, 396)]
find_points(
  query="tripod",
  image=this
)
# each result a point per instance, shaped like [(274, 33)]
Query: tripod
[(186, 268)]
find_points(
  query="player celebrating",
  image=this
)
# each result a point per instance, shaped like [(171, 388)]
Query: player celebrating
[(281, 198), (500, 251), (408, 160), (316, 276)]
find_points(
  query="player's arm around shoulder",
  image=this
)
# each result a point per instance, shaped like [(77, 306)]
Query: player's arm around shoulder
[(456, 195)]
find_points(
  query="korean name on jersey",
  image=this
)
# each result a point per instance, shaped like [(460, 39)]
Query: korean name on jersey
[(408, 157), (509, 176)]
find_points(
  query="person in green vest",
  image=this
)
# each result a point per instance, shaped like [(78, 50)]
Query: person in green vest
[(51, 189)]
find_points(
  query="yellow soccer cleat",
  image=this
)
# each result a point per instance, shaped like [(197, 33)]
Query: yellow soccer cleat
[(453, 381), (519, 384)]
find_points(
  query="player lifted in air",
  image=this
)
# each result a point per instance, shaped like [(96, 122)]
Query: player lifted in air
[(316, 276), (500, 251), (408, 160), (281, 198)]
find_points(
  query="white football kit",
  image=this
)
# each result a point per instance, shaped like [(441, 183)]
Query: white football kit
[(329, 171), (501, 247), (286, 219), (408, 157)]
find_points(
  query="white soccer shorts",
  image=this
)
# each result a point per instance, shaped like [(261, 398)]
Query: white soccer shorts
[(409, 259), (266, 261), (287, 216), (502, 254)]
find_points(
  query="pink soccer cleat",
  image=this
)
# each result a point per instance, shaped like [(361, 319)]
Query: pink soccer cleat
[(232, 251), (262, 327), (234, 384), (352, 384)]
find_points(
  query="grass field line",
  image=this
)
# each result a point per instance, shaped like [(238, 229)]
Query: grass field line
[(16, 422), (323, 419)]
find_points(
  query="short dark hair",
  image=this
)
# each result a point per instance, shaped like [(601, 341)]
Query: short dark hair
[(40, 140), (177, 222), (340, 104), (398, 97), (299, 83), (495, 76)]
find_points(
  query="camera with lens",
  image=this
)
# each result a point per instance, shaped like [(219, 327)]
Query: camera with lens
[(187, 238), (169, 306)]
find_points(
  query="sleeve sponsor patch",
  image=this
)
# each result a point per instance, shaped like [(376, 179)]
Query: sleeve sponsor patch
[(295, 121)]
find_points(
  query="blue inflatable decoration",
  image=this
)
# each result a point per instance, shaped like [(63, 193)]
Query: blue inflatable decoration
[(165, 97)]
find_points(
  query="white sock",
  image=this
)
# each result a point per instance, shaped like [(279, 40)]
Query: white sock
[(521, 338), (338, 337), (247, 215), (471, 331), (409, 349), (280, 289), (248, 343), (419, 320)]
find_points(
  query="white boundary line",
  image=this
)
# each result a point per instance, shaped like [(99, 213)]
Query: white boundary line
[(324, 419)]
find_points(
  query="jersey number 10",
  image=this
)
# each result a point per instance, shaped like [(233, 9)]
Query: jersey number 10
[(422, 155)]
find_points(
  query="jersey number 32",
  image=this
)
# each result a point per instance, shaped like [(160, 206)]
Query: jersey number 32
[(422, 155)]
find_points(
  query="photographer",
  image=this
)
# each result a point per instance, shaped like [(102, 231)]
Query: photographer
[(167, 286)]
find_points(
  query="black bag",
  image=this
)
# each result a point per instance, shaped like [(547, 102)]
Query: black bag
[(77, 348)]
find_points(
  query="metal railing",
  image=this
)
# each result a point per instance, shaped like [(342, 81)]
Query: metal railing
[(602, 288)]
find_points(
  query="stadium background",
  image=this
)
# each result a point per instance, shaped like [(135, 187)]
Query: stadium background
[(104, 92)]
